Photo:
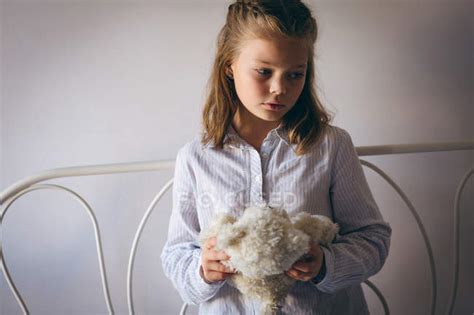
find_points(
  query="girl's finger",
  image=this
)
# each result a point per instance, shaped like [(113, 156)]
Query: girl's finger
[(303, 267), (217, 276), (293, 274), (214, 255), (298, 275), (211, 243), (216, 266)]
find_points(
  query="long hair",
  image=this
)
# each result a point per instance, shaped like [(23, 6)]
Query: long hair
[(306, 122)]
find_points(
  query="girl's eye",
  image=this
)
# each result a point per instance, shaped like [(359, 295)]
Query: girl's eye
[(296, 75), (263, 72), (291, 76)]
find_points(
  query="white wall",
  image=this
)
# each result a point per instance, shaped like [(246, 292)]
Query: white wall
[(105, 82)]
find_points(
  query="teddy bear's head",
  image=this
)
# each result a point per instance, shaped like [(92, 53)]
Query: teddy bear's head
[(266, 241), (262, 244)]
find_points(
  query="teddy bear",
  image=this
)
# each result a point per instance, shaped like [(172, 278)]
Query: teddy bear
[(262, 244)]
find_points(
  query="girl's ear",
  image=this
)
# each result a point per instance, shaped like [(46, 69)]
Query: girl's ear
[(229, 73)]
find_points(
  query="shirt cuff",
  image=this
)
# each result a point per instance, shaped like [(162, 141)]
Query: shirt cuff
[(321, 282), (202, 284), (322, 272)]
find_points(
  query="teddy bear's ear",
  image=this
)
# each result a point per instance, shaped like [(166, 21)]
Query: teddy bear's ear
[(215, 226), (329, 232), (304, 222), (300, 217), (225, 218), (230, 235)]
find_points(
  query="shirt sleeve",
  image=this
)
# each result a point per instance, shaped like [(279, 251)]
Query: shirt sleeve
[(361, 248), (181, 255)]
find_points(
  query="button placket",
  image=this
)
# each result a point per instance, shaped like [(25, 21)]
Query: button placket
[(256, 185), (267, 147)]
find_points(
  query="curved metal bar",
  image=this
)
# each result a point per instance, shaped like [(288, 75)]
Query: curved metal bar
[(84, 171), (11, 284), (379, 295), (97, 237), (414, 148), (135, 242), (169, 164), (457, 210), (183, 309), (420, 226)]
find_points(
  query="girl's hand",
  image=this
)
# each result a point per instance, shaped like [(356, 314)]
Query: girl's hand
[(212, 270), (308, 267)]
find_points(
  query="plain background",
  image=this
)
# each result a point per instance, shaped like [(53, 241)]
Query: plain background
[(96, 82)]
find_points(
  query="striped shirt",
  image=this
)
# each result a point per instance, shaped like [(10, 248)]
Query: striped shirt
[(328, 180)]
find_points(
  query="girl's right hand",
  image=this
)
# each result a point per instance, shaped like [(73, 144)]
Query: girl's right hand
[(212, 270)]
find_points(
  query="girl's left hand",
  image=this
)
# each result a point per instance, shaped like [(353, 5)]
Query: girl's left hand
[(308, 267)]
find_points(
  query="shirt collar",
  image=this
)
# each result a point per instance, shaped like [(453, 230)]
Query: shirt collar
[(232, 138)]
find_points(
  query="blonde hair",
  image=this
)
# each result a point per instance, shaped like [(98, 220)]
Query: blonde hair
[(306, 122)]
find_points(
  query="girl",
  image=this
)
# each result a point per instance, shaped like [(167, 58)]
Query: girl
[(267, 141)]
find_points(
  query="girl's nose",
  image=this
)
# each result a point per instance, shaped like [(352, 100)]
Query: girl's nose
[(277, 87)]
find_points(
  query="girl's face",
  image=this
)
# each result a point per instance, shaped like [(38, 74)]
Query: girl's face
[(269, 75)]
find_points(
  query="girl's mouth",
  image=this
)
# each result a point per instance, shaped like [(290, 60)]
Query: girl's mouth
[(273, 107)]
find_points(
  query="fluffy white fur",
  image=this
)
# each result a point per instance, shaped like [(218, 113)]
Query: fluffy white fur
[(263, 243)]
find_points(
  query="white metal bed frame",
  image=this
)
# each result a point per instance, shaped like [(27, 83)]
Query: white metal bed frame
[(22, 187)]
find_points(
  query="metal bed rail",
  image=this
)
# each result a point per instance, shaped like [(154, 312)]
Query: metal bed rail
[(31, 183)]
